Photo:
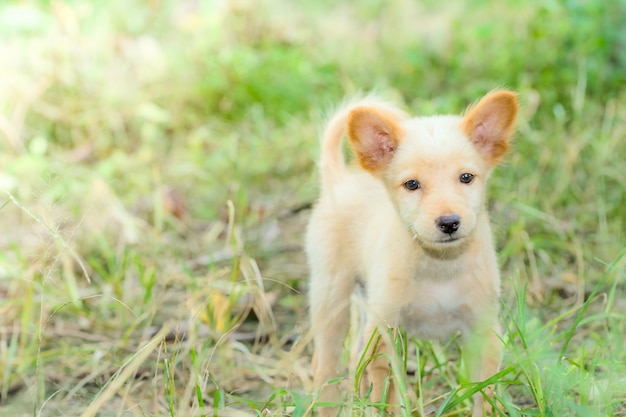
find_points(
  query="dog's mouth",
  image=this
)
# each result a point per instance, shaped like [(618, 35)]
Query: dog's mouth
[(442, 242), (449, 241)]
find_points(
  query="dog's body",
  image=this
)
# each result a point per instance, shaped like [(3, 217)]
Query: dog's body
[(409, 224)]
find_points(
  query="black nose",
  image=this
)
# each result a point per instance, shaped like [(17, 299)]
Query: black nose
[(448, 224)]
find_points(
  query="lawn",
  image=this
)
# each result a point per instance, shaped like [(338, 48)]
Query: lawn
[(157, 169)]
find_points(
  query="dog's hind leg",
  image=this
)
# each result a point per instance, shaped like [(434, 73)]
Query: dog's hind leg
[(330, 318)]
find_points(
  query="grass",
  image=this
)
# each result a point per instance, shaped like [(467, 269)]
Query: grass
[(157, 164)]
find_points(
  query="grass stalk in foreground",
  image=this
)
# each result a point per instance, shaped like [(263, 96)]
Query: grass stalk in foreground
[(126, 372)]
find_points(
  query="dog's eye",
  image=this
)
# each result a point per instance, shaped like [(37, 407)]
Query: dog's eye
[(412, 185), (466, 178)]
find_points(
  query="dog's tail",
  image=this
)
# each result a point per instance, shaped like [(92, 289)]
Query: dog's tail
[(332, 161)]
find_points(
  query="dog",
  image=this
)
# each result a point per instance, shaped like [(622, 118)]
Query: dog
[(407, 223)]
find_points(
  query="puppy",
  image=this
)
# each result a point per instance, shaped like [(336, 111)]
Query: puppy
[(408, 224)]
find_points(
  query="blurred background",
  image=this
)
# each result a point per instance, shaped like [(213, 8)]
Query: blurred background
[(157, 167)]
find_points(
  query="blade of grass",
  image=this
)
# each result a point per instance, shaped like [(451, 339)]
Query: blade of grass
[(583, 309), (198, 389), (126, 372), (53, 232)]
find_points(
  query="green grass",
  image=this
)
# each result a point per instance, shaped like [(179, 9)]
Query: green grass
[(157, 162)]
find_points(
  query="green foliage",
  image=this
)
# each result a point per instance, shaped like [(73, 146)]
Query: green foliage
[(562, 378), (230, 85)]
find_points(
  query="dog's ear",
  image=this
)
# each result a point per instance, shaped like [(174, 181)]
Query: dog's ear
[(374, 136), (490, 123)]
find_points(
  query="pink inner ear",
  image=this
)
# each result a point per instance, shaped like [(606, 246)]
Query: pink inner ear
[(381, 147), (481, 138), (385, 143), (480, 134)]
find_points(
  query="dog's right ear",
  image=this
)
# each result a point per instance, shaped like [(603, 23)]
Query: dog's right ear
[(374, 136), (490, 123)]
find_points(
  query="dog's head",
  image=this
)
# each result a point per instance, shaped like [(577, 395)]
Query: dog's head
[(435, 168)]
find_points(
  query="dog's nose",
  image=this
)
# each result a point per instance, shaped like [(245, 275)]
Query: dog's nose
[(448, 224)]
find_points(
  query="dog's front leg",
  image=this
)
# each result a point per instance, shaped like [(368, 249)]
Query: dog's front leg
[(483, 353), (377, 371)]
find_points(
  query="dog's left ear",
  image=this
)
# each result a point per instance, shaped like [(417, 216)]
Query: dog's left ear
[(374, 136), (490, 123)]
